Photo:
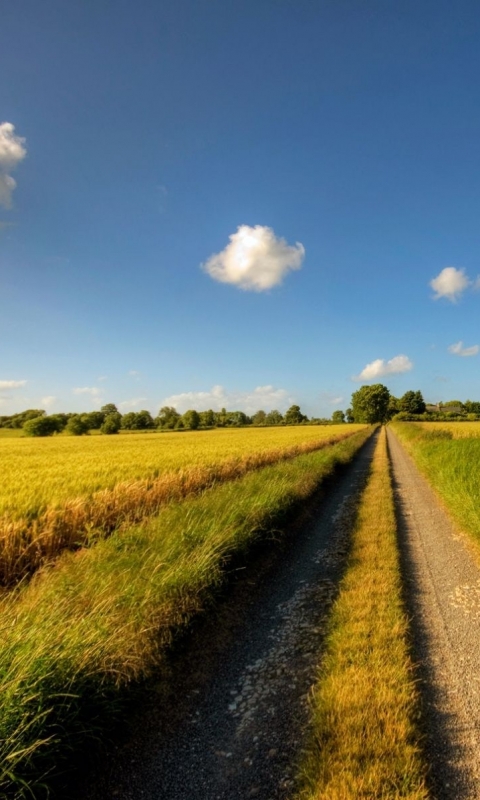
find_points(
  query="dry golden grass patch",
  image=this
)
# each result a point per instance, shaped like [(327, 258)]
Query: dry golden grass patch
[(47, 528), (365, 741)]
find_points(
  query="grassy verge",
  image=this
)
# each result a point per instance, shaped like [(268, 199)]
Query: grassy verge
[(452, 467), (365, 741), (80, 633), (28, 543)]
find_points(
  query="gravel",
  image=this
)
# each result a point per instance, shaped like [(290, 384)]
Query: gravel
[(241, 734), (442, 582)]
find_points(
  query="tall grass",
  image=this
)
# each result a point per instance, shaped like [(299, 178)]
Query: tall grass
[(451, 463), (364, 707), (39, 537), (81, 632)]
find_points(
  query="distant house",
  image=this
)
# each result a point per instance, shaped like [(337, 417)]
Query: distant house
[(440, 409), (432, 409)]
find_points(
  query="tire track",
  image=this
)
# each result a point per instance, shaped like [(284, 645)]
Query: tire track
[(443, 595)]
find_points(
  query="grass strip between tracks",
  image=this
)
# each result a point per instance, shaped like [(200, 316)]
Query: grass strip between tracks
[(100, 619), (452, 467), (365, 740)]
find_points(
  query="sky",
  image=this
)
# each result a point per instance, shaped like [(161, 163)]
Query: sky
[(244, 204)]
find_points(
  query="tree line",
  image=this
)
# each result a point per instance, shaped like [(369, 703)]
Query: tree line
[(369, 404)]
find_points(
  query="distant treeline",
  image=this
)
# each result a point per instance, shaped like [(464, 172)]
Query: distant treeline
[(108, 420)]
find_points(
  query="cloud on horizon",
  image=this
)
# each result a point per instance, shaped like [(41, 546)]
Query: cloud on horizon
[(459, 350), (49, 400), (255, 260), (12, 384), (131, 404), (265, 397), (12, 152), (380, 367), (93, 391), (451, 283)]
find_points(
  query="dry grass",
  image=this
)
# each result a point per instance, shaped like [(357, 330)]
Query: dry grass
[(459, 430), (29, 542), (365, 742)]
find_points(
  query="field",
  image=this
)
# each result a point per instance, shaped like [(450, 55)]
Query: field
[(62, 492), (76, 636), (448, 454)]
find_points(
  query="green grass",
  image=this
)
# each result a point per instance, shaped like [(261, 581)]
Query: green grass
[(365, 743), (451, 465), (78, 635)]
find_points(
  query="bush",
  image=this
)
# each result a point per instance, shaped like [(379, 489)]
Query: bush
[(76, 426), (40, 426), (112, 423)]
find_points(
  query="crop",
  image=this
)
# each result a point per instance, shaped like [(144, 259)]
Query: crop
[(450, 461), (78, 635), (365, 737), (62, 493)]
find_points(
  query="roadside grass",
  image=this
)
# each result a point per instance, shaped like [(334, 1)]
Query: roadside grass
[(39, 537), (451, 463), (80, 633), (365, 740)]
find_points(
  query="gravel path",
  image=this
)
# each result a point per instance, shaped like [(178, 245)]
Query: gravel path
[(242, 732), (443, 592)]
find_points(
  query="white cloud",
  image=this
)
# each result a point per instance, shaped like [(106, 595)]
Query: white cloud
[(255, 259), (48, 401), (12, 152), (103, 378), (380, 367), (266, 397), (94, 391), (12, 384), (133, 403), (450, 283), (459, 350)]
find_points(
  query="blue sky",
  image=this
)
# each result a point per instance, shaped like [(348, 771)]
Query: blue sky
[(345, 135)]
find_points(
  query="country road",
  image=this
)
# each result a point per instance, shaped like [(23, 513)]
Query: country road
[(241, 731), (442, 586)]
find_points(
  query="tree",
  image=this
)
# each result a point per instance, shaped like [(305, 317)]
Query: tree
[(412, 403), (112, 423), (259, 418), (40, 426), (207, 419), (168, 417), (144, 420), (109, 408), (370, 403), (274, 417), (294, 416), (338, 416), (76, 426), (349, 415), (94, 419), (191, 420), (393, 406), (128, 421)]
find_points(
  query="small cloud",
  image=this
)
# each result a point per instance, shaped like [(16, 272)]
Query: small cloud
[(266, 397), (103, 378), (12, 384), (133, 403), (255, 260), (330, 398), (5, 225), (93, 391), (163, 194), (48, 401), (134, 373), (12, 152), (450, 283), (380, 367), (459, 350)]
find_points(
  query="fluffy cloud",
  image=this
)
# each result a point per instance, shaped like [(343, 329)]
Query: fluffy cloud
[(255, 259), (450, 283), (12, 151), (459, 350), (380, 367), (93, 391), (133, 403), (12, 384), (266, 397), (49, 400)]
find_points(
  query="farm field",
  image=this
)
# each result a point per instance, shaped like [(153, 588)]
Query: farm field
[(61, 492), (448, 454), (79, 634)]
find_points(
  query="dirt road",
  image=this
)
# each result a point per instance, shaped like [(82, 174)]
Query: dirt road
[(241, 733), (443, 592)]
